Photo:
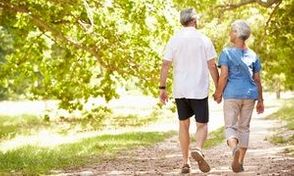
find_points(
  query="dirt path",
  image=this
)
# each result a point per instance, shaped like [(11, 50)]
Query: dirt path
[(263, 158)]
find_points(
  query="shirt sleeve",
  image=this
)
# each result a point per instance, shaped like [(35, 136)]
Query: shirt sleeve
[(223, 59), (169, 51), (210, 51), (256, 65)]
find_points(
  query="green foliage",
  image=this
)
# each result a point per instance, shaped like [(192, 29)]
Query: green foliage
[(74, 50), (33, 160), (277, 45), (272, 33), (95, 117)]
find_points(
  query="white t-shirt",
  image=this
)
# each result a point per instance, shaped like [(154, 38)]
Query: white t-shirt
[(189, 50)]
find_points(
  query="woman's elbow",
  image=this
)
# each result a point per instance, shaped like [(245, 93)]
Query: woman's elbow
[(223, 77), (257, 79)]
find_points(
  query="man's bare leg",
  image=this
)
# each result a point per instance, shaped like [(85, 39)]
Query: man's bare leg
[(201, 134), (197, 155), (184, 137)]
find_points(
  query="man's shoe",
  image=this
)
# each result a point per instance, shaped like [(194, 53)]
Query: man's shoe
[(199, 158), (241, 167), (186, 169)]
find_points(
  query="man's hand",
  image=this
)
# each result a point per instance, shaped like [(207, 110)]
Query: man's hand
[(163, 76), (163, 96), (217, 97), (259, 107)]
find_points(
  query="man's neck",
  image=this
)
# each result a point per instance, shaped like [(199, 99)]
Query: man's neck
[(191, 24)]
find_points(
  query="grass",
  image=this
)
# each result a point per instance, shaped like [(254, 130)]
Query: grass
[(285, 135), (215, 137), (134, 120), (36, 160), (31, 160), (286, 113), (10, 126), (24, 124)]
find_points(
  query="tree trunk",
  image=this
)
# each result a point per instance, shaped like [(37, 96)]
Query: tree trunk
[(278, 94)]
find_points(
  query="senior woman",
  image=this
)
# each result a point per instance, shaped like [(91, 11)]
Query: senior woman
[(240, 86)]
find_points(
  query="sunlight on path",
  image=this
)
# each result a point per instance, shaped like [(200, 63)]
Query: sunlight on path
[(44, 138)]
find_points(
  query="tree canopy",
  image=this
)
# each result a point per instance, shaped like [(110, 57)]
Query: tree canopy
[(72, 50)]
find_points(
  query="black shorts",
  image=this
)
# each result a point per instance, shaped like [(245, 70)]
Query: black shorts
[(189, 107)]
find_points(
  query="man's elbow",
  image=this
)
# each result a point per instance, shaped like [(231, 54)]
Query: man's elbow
[(166, 64), (212, 66)]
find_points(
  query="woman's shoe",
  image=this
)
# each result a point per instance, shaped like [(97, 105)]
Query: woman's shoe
[(236, 167)]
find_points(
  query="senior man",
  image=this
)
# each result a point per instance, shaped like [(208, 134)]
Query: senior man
[(193, 57)]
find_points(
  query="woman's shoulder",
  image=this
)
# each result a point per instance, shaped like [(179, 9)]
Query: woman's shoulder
[(227, 48), (251, 52)]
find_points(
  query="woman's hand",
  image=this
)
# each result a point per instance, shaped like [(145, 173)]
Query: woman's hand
[(259, 107)]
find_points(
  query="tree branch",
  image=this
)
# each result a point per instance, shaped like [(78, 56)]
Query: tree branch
[(230, 6), (269, 20), (38, 22), (90, 17), (272, 14), (28, 50), (58, 36)]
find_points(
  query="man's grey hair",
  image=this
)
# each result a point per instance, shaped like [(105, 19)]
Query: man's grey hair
[(242, 29), (187, 15)]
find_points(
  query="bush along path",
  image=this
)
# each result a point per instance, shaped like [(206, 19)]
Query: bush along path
[(263, 158)]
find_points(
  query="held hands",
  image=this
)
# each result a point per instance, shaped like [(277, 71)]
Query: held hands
[(163, 96), (217, 97), (259, 107)]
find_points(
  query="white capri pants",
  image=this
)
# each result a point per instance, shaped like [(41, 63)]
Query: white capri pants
[(237, 117)]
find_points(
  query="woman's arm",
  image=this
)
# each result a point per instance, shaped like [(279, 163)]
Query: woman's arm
[(259, 106), (213, 71), (223, 79)]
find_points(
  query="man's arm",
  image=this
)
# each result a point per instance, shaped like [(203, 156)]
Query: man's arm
[(163, 76), (223, 79), (257, 80), (213, 71)]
